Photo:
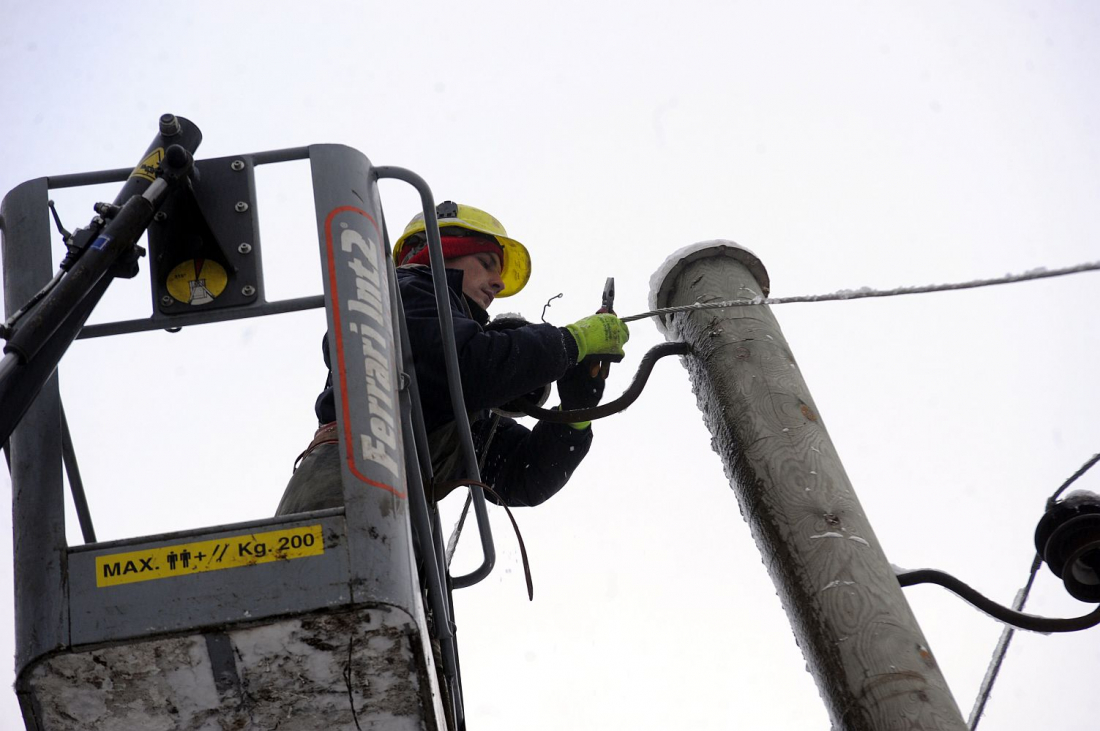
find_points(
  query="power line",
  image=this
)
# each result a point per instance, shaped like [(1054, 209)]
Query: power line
[(852, 294), (1000, 650), (1021, 598), (1065, 485)]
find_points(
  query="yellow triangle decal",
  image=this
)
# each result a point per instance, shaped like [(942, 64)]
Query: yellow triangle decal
[(147, 168)]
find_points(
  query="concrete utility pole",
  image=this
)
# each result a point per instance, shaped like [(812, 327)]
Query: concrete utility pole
[(859, 637)]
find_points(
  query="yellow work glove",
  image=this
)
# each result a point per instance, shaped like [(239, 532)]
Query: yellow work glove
[(602, 334)]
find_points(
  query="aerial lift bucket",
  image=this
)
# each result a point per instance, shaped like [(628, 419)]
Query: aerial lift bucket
[(305, 621)]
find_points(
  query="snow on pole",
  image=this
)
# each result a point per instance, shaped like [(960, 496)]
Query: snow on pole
[(859, 637)]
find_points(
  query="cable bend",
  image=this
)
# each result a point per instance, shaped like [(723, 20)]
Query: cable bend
[(630, 395), (993, 609)]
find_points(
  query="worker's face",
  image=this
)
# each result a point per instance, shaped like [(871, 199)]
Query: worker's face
[(481, 280)]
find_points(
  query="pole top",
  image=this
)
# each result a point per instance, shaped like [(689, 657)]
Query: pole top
[(663, 280)]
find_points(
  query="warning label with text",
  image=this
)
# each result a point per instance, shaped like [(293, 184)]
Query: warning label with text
[(224, 553)]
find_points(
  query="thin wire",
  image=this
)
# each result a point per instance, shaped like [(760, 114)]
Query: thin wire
[(1065, 485), (852, 294), (347, 681), (1000, 650), (466, 482), (452, 542), (1021, 598), (547, 305)]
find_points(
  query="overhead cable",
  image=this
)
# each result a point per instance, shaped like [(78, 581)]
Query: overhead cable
[(999, 651), (852, 294)]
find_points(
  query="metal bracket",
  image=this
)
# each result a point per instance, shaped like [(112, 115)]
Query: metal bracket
[(204, 242)]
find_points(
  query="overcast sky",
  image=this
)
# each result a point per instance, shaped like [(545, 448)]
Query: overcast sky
[(848, 144)]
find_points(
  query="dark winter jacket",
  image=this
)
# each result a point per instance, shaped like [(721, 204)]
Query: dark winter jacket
[(524, 466)]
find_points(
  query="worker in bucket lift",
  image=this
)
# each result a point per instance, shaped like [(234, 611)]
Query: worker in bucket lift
[(501, 361)]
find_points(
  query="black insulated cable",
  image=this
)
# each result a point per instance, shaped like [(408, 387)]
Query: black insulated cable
[(630, 395), (1001, 613)]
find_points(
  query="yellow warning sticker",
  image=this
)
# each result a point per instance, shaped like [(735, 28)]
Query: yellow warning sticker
[(184, 559), (197, 281), (147, 168)]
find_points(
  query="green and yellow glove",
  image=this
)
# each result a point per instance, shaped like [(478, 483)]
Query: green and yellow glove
[(602, 334)]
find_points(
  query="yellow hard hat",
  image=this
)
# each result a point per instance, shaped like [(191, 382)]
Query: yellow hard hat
[(515, 262)]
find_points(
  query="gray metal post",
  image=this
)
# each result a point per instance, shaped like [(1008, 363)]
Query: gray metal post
[(363, 354), (859, 637), (38, 496)]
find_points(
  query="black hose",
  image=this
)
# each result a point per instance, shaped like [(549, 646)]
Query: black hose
[(995, 610), (630, 395)]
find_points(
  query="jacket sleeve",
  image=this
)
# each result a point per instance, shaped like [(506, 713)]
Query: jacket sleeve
[(496, 366), (528, 466)]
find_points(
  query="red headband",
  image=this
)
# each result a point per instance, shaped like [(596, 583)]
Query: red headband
[(456, 246)]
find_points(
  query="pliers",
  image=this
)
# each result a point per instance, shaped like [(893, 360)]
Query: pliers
[(600, 365)]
